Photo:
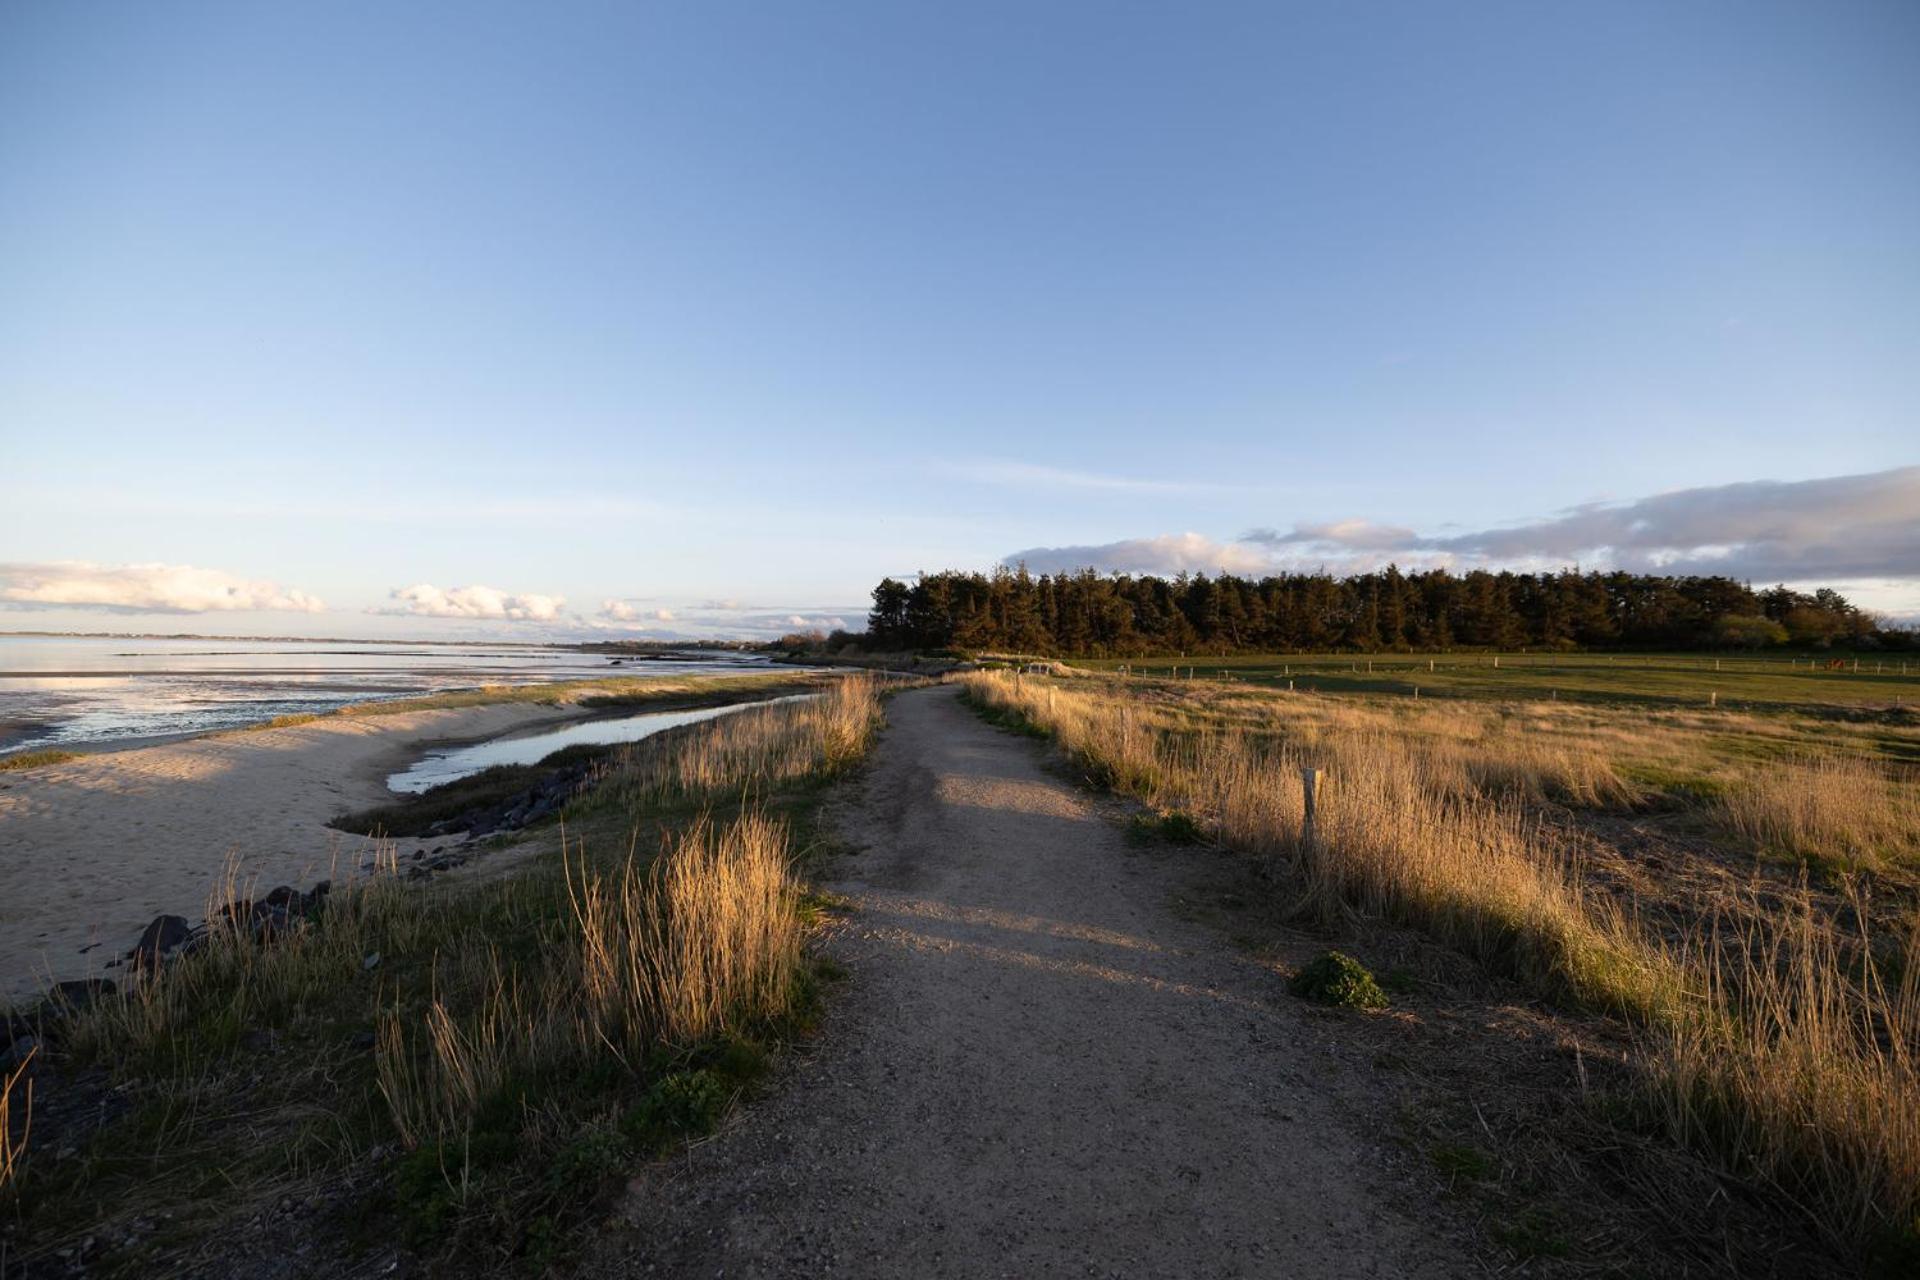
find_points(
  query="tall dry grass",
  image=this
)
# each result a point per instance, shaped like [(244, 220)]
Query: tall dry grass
[(1804, 1067), (1831, 809), (495, 1003), (770, 746), (1784, 1041), (705, 939)]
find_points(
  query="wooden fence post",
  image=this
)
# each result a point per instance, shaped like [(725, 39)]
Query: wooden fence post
[(1310, 780)]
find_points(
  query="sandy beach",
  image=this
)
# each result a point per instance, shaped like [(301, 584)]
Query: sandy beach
[(93, 849)]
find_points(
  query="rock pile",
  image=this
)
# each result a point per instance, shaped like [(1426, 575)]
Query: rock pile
[(541, 800)]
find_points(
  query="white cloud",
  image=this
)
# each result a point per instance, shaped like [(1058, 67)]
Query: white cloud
[(424, 600), (1168, 553), (632, 613), (143, 588)]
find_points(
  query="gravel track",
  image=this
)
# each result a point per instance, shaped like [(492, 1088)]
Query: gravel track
[(1038, 1067)]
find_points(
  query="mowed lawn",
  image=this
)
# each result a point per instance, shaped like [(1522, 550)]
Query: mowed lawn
[(1748, 683)]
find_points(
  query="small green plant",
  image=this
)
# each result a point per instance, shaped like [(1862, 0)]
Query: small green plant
[(683, 1104), (1338, 979)]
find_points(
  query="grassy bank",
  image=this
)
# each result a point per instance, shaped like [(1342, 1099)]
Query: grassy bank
[(1779, 1022), (611, 693), (467, 1064)]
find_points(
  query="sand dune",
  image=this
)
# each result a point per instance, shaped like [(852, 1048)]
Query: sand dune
[(93, 849)]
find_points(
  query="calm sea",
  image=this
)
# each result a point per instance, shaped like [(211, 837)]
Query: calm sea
[(60, 690)]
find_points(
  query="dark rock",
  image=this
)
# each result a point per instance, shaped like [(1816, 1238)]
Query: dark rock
[(18, 1052), (66, 997), (282, 896), (159, 940), (269, 921), (362, 1042)]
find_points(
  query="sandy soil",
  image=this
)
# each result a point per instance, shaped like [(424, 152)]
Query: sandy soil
[(91, 850), (1037, 1068)]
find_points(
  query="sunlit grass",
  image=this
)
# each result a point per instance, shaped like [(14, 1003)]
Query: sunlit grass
[(1781, 1037)]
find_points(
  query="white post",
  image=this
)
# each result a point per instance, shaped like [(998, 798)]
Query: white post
[(1713, 699), (1496, 662)]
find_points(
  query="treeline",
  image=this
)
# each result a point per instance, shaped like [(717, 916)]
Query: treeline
[(1089, 614)]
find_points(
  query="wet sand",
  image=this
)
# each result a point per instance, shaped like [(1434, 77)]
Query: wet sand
[(93, 849)]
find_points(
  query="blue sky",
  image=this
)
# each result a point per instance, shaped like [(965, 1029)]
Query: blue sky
[(726, 310)]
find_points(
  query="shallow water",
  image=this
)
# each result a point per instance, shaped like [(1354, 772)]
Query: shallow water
[(92, 690), (450, 765)]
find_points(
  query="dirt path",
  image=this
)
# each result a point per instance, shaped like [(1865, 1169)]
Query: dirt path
[(1037, 1068)]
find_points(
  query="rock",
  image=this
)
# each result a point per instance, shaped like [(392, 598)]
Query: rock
[(362, 1042), (18, 1052), (269, 921), (65, 997), (159, 940), (371, 963), (282, 896)]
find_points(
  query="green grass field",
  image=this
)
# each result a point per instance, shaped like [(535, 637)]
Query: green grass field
[(1747, 683)]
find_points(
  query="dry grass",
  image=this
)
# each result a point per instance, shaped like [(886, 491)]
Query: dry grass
[(767, 747), (1807, 1074), (705, 940), (1835, 810), (1779, 1037), (13, 1150), (36, 759)]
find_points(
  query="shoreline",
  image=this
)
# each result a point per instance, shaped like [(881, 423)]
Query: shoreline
[(92, 849)]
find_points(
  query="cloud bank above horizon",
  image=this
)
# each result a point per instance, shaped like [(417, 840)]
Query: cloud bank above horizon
[(424, 600), (144, 588), (1842, 528)]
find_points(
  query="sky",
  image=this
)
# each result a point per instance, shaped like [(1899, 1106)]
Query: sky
[(446, 319)]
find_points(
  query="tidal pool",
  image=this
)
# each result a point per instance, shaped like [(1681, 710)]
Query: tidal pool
[(439, 767)]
